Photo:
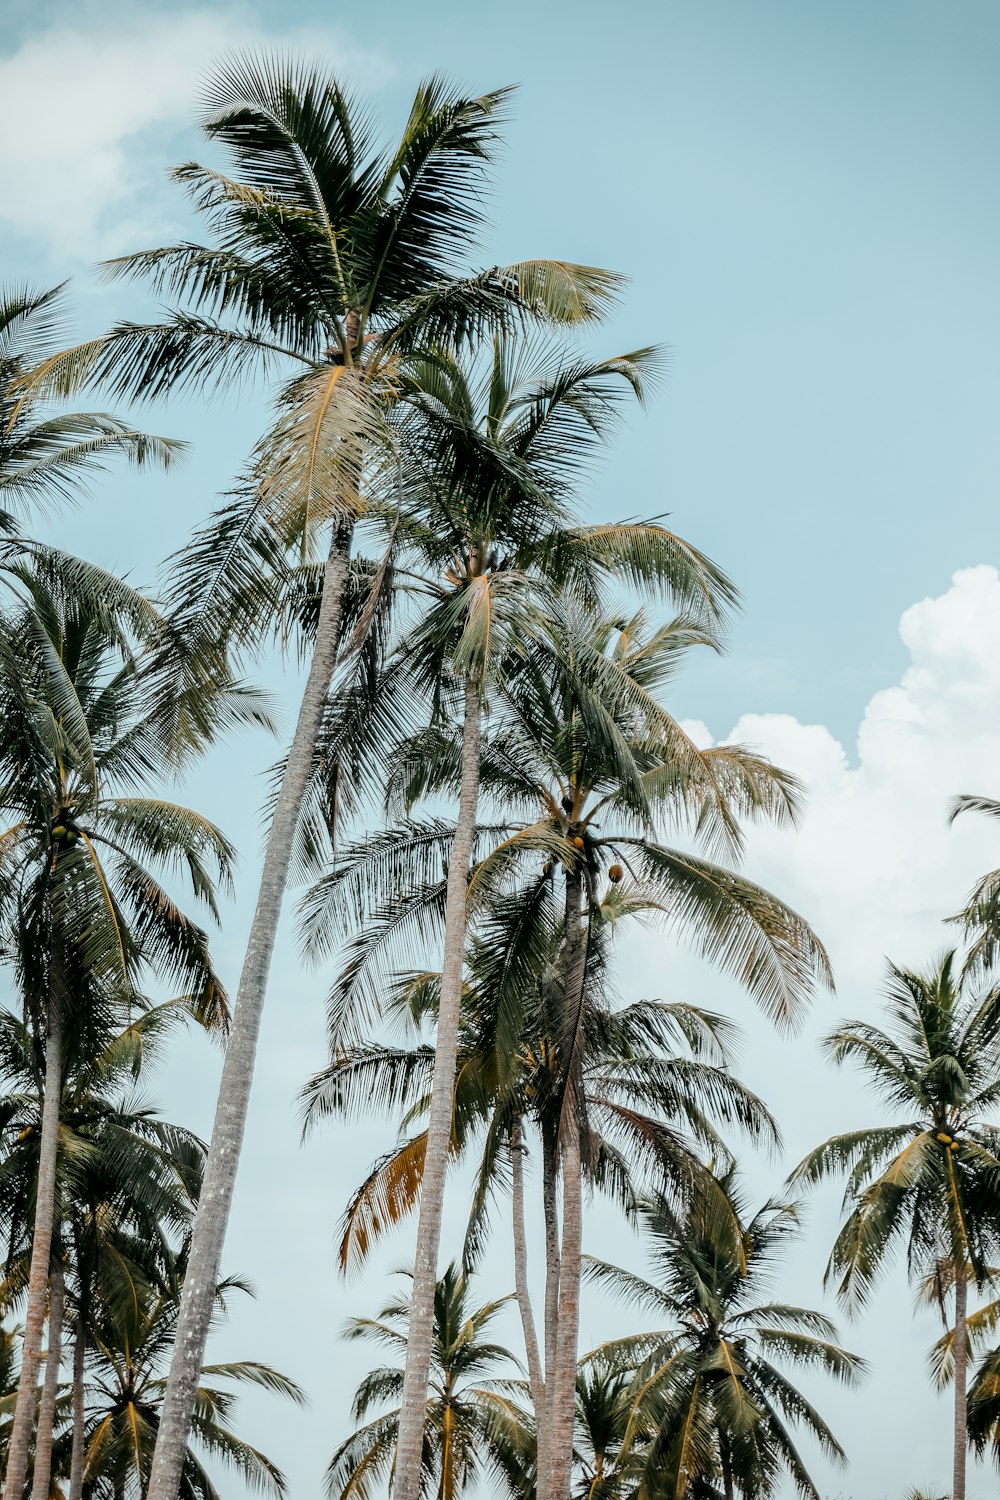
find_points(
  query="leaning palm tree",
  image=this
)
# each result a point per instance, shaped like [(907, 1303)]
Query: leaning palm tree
[(474, 1427), (331, 263), (930, 1181), (708, 1403), (83, 919)]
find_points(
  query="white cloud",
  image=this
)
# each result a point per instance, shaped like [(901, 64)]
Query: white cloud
[(94, 108)]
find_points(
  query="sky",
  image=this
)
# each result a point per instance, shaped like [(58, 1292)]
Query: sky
[(804, 200)]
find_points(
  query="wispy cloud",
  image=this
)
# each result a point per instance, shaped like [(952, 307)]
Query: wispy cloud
[(96, 110)]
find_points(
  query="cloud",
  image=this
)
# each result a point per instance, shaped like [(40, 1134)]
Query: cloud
[(103, 104)]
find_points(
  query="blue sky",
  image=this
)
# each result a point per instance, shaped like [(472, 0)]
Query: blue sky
[(804, 199)]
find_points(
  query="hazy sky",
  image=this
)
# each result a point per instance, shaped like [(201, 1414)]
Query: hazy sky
[(804, 197)]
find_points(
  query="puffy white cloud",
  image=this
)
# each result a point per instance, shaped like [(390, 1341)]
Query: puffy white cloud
[(93, 108)]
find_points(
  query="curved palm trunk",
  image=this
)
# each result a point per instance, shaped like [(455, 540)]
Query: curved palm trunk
[(41, 1251), (47, 1408), (79, 1411), (413, 1406), (216, 1196), (536, 1379), (961, 1381)]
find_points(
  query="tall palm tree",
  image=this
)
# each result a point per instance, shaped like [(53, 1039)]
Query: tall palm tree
[(708, 1401), (929, 1181), (496, 448), (83, 918), (583, 749), (331, 262), (474, 1427)]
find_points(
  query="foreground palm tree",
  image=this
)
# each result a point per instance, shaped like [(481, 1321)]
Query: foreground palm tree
[(931, 1181), (331, 261), (708, 1402), (84, 919), (474, 1427)]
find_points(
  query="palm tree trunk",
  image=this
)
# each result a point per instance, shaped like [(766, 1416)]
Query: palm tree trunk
[(562, 1378), (536, 1379), (551, 1326), (215, 1201), (41, 1248), (79, 1410), (961, 1381), (47, 1408), (413, 1406), (562, 1375)]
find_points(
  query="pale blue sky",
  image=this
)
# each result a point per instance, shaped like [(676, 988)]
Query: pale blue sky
[(804, 196)]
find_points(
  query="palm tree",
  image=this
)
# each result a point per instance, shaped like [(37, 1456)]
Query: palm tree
[(333, 262), (585, 751), (127, 1187), (656, 1088), (473, 1425), (707, 1397), (604, 1418), (495, 452), (981, 915), (82, 916), (929, 1180), (124, 1400)]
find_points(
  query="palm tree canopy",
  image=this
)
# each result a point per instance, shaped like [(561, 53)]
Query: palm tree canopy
[(927, 1180), (475, 1425), (708, 1384)]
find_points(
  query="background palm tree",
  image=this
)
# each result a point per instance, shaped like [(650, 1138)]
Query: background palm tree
[(707, 1396), (474, 1426), (83, 918), (332, 261), (124, 1393), (928, 1182), (981, 914)]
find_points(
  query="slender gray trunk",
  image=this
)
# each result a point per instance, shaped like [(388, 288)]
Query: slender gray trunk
[(561, 1385), (41, 1249), (215, 1201), (536, 1379), (961, 1380), (79, 1410), (562, 1378), (550, 1172), (413, 1405), (50, 1388)]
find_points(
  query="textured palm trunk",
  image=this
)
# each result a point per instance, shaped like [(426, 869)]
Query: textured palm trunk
[(215, 1200), (536, 1379), (961, 1382), (413, 1406), (47, 1407), (562, 1378), (41, 1251), (562, 1375), (79, 1411), (550, 1172)]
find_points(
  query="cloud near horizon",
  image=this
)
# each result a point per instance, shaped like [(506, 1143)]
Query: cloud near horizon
[(105, 102)]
